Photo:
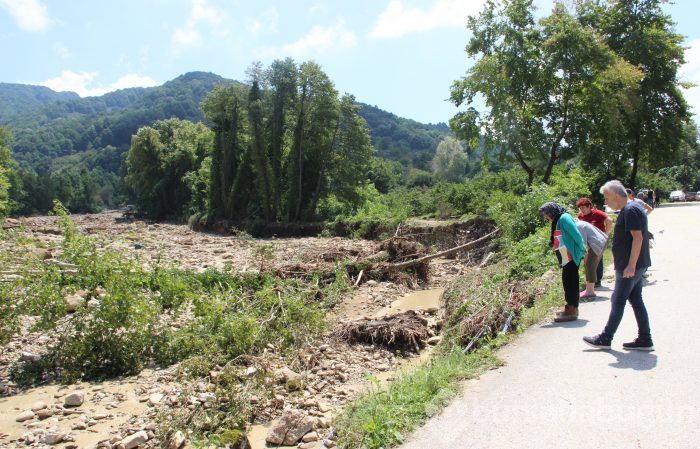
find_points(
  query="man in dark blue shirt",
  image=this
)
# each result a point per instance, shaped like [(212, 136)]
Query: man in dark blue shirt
[(630, 248)]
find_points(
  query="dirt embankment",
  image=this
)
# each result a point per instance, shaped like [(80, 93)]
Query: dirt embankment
[(333, 370)]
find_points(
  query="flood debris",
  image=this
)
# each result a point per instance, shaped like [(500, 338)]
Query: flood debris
[(403, 331)]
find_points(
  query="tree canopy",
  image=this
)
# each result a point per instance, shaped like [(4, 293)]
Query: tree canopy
[(598, 84)]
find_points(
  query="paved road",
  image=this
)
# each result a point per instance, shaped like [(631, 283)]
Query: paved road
[(556, 392)]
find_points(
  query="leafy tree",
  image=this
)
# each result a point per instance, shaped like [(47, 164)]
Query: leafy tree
[(158, 161), (230, 166), (5, 170), (286, 147), (538, 80), (639, 32), (450, 161)]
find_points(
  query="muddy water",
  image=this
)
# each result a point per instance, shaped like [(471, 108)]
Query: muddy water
[(417, 300), (12, 406)]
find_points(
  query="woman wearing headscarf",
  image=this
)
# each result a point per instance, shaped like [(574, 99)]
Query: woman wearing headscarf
[(569, 249)]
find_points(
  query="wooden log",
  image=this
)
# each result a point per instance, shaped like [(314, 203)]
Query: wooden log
[(473, 243)]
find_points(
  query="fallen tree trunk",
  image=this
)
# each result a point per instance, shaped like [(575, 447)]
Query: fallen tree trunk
[(473, 243)]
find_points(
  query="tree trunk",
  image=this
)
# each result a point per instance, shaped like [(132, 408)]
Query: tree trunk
[(555, 147), (319, 181), (635, 159), (529, 170)]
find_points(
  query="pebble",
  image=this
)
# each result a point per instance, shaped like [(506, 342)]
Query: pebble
[(74, 399), (25, 416), (134, 440), (38, 405), (155, 398)]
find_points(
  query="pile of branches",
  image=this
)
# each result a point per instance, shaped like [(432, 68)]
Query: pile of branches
[(482, 304), (404, 331)]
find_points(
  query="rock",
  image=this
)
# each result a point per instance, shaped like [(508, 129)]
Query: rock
[(38, 405), (155, 398), (285, 374), (177, 440), (322, 423), (289, 428), (372, 283), (135, 439), (434, 340), (206, 397), (25, 416), (251, 371), (26, 356), (311, 445), (44, 413), (73, 302), (51, 438), (311, 436), (74, 399)]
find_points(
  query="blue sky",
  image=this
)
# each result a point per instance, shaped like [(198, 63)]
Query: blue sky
[(400, 55)]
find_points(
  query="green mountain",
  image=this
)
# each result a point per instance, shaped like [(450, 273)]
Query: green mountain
[(20, 98), (53, 129)]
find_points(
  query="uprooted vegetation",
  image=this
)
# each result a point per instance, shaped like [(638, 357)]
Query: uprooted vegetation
[(230, 347)]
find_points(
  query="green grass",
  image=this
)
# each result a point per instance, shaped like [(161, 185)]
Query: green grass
[(383, 417)]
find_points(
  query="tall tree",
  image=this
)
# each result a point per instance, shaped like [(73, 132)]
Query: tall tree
[(258, 148), (5, 170), (342, 170), (158, 162), (225, 108), (281, 80), (450, 161), (640, 32), (538, 80)]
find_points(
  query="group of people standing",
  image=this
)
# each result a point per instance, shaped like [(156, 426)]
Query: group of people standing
[(584, 240)]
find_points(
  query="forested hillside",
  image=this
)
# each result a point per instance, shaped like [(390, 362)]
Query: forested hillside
[(48, 126), (20, 98)]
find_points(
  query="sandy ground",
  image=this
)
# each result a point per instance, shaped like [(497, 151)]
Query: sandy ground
[(555, 391)]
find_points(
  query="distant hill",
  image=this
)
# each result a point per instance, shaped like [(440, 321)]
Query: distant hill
[(53, 128), (402, 139), (19, 98)]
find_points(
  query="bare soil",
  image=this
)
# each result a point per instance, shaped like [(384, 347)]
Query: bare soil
[(336, 372)]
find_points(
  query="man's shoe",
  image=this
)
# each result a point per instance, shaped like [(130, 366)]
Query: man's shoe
[(570, 313), (639, 345), (597, 341)]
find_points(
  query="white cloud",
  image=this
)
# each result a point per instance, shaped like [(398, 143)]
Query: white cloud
[(319, 40), (399, 19), (81, 83), (690, 72), (201, 14), (267, 22), (30, 15)]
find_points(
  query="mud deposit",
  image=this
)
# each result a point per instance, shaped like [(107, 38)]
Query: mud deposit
[(118, 411)]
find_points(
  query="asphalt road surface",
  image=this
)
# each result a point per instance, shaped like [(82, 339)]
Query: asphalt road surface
[(557, 392)]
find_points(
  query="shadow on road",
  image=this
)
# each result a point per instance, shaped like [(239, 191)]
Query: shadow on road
[(567, 324), (636, 360)]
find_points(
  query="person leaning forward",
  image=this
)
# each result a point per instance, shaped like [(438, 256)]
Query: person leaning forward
[(568, 246), (630, 248), (600, 220)]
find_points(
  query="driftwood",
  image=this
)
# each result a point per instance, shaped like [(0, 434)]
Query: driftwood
[(473, 243), (406, 331)]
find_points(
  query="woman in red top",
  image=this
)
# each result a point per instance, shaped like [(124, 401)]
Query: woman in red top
[(600, 220)]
